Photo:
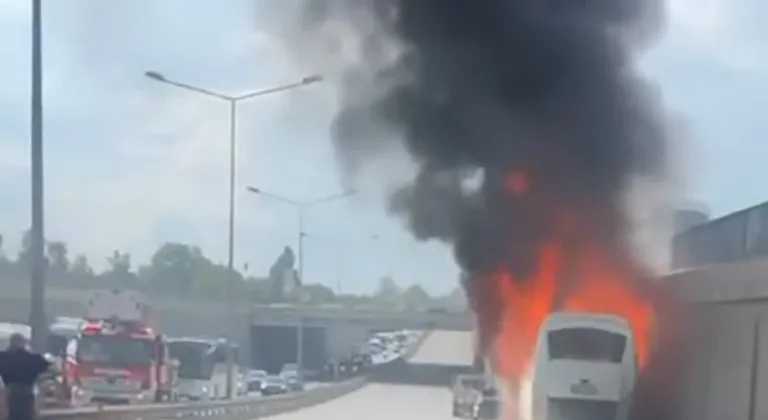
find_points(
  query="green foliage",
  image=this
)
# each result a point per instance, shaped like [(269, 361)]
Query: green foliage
[(183, 271)]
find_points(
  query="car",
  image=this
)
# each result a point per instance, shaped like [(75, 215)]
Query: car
[(194, 389), (274, 385), (487, 407), (254, 379), (293, 381), (290, 367), (242, 386)]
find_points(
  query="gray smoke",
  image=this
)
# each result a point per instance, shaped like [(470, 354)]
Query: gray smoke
[(489, 87)]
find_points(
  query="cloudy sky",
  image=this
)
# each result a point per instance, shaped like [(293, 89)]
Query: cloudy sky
[(131, 163)]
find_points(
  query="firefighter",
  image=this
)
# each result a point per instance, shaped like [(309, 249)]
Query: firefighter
[(19, 369)]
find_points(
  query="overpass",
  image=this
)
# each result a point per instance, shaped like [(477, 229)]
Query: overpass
[(267, 333)]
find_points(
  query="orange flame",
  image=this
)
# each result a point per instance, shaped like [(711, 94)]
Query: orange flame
[(574, 270), (599, 286)]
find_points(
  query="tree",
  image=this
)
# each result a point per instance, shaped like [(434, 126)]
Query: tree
[(3, 257), (257, 289), (415, 297), (215, 280), (26, 243), (174, 267), (80, 268), (388, 293), (455, 299), (312, 294), (183, 270), (119, 272), (283, 276), (57, 255)]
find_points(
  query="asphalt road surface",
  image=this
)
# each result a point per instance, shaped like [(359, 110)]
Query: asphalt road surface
[(388, 402)]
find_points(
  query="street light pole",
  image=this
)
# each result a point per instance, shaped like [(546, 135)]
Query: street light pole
[(37, 234), (300, 327), (301, 207), (231, 237), (232, 101)]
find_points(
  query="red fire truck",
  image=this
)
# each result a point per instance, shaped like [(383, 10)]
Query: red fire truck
[(117, 358)]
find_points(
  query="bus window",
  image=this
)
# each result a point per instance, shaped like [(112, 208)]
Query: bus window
[(586, 344)]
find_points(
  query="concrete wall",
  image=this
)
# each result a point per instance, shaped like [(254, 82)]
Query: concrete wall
[(728, 340)]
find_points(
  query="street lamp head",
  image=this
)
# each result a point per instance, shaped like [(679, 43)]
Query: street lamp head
[(154, 75), (253, 190), (315, 78)]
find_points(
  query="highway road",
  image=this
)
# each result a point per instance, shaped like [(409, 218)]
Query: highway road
[(388, 402)]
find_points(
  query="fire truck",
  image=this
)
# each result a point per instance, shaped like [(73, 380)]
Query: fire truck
[(117, 357)]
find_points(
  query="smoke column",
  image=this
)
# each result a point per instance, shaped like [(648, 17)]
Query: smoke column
[(479, 88), (535, 97)]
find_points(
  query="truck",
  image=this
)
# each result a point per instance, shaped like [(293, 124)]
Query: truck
[(117, 357)]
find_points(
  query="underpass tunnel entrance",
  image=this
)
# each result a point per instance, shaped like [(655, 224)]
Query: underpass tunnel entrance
[(272, 346)]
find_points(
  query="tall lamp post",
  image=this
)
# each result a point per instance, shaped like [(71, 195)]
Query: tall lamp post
[(233, 101), (301, 207), (37, 262)]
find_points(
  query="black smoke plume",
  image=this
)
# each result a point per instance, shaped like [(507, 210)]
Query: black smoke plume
[(482, 89), (485, 87)]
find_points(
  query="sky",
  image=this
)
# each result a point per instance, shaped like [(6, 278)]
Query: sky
[(131, 163)]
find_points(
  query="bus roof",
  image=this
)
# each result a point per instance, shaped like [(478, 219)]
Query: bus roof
[(200, 340), (560, 320)]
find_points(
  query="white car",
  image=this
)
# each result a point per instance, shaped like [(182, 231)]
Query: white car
[(193, 389)]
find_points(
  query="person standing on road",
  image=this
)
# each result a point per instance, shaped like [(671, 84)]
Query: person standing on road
[(19, 370)]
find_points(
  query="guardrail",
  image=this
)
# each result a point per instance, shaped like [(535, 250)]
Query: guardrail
[(239, 409), (244, 408), (414, 348)]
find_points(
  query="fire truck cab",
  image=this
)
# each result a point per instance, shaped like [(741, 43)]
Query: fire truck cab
[(117, 358)]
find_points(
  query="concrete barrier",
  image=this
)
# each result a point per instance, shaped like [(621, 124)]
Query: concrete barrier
[(246, 408), (414, 348)]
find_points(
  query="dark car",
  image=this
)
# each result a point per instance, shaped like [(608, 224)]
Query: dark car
[(274, 385), (488, 406)]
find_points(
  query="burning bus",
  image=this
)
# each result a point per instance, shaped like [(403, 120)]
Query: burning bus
[(585, 367)]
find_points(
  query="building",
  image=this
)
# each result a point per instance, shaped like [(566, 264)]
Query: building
[(738, 236), (689, 216)]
